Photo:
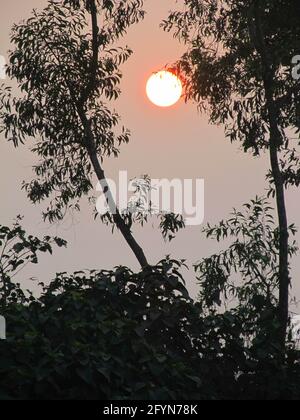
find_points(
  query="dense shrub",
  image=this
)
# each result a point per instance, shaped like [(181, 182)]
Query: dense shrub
[(119, 335)]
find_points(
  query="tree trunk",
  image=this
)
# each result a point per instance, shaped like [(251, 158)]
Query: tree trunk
[(90, 143), (118, 219), (268, 75)]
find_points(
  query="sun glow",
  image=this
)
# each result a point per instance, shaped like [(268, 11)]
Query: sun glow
[(164, 88)]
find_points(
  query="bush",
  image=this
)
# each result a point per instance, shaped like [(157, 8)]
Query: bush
[(119, 335), (108, 335)]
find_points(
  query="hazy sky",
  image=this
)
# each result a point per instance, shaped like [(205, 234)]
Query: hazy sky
[(166, 143)]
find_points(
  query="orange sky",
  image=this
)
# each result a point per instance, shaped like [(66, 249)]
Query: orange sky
[(168, 143)]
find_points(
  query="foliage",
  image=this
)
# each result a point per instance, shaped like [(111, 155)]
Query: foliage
[(18, 249), (140, 209), (51, 63), (106, 335), (248, 269), (223, 71), (242, 280), (120, 335)]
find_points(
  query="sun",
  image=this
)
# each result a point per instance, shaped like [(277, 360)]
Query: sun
[(164, 88)]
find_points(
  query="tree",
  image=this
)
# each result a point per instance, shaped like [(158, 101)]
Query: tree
[(238, 68), (240, 284), (246, 272), (63, 70)]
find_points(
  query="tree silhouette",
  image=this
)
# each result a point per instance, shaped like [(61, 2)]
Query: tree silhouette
[(238, 68), (253, 255), (63, 71)]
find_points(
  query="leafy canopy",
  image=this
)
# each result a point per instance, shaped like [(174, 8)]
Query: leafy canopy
[(223, 71), (53, 65)]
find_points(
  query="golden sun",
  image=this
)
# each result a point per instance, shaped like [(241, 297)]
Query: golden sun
[(164, 88)]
